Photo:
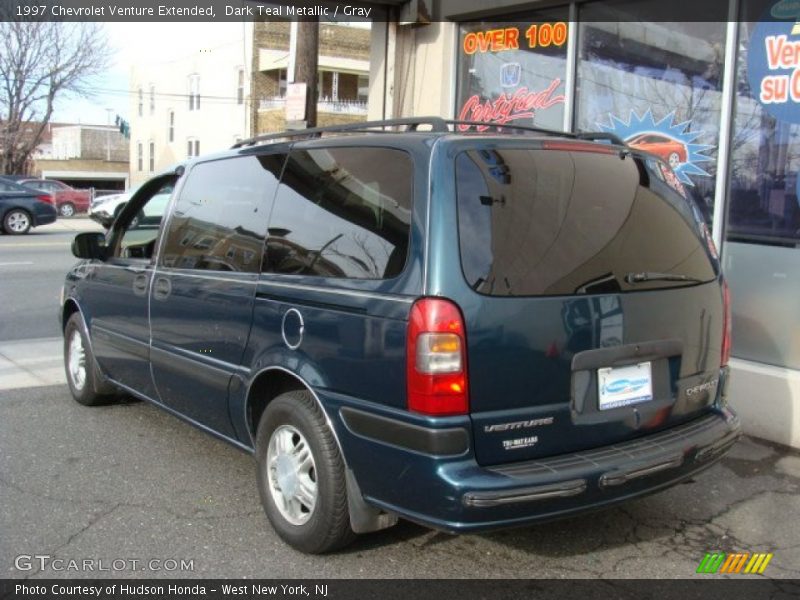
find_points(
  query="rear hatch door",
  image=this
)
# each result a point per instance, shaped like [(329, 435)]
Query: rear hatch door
[(594, 310)]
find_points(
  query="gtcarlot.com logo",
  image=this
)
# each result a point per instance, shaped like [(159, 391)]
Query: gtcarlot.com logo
[(46, 562)]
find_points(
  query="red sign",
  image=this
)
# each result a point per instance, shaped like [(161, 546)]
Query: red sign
[(523, 104)]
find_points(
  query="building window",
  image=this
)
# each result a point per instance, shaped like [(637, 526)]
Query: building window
[(240, 86), (194, 92), (530, 77), (192, 148), (139, 157), (141, 102), (152, 156), (152, 99), (171, 135)]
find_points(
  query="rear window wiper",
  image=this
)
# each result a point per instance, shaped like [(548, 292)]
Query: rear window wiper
[(653, 276)]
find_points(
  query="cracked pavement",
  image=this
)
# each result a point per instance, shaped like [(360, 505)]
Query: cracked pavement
[(129, 481)]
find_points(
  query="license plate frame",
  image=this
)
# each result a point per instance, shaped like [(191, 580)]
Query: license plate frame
[(618, 387)]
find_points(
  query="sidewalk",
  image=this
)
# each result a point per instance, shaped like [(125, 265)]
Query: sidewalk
[(31, 363), (72, 224)]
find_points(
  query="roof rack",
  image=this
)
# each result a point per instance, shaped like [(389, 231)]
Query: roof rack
[(437, 125)]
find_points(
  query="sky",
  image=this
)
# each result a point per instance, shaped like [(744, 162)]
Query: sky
[(143, 43)]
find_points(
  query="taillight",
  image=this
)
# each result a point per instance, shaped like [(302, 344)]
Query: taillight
[(726, 324), (46, 198), (436, 364)]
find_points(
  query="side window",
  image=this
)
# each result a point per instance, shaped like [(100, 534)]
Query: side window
[(220, 219), (342, 212), (139, 236)]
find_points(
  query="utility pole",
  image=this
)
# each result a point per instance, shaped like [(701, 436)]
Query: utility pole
[(305, 65)]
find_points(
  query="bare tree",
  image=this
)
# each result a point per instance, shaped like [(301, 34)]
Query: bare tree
[(40, 62)]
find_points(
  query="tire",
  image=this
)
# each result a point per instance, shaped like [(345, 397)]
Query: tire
[(82, 376), (17, 222), (293, 436), (67, 209)]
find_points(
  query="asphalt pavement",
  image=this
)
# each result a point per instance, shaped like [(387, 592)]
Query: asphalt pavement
[(132, 484)]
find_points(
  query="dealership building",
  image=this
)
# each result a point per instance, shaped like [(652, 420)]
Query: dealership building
[(717, 97)]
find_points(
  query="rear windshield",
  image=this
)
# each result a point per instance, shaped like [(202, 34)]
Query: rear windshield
[(536, 222)]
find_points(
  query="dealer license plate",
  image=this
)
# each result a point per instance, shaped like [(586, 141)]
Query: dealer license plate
[(623, 386)]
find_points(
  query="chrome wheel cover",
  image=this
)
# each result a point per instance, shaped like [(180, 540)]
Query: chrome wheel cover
[(76, 361), (66, 210), (291, 474), (18, 222)]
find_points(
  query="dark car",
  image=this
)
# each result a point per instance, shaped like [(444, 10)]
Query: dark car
[(22, 208), (467, 330), (69, 201)]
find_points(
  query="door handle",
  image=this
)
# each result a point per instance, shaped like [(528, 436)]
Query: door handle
[(140, 285), (162, 288)]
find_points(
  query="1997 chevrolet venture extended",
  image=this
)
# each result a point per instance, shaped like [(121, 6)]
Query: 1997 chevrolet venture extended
[(468, 330)]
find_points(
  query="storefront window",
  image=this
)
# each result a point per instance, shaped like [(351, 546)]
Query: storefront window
[(658, 86), (763, 220), (513, 71)]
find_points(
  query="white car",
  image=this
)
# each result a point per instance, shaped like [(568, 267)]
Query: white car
[(106, 208)]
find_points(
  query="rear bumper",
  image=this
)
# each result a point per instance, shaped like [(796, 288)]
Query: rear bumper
[(455, 494)]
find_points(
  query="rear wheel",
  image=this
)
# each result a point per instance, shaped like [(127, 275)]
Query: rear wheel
[(17, 221), (82, 377), (301, 475), (67, 209)]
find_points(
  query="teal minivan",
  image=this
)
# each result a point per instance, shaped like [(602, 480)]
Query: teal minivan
[(468, 330)]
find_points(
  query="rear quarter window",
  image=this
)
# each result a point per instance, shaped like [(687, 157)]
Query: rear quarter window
[(540, 222), (342, 213)]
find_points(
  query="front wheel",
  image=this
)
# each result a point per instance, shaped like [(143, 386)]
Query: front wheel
[(301, 475), (17, 222), (82, 376), (67, 209)]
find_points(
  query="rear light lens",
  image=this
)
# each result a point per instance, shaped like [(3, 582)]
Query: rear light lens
[(436, 364), (46, 198), (726, 324)]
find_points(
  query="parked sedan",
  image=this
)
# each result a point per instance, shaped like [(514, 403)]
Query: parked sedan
[(69, 201), (22, 208)]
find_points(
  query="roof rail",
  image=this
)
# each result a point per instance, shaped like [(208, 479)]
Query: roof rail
[(437, 125), (594, 136), (498, 126), (411, 123)]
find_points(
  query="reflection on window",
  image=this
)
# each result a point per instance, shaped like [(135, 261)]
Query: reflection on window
[(220, 219), (658, 86), (545, 222), (342, 212)]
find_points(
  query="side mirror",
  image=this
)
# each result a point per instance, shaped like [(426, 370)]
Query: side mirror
[(89, 245)]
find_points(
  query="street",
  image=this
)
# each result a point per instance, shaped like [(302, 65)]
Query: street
[(129, 482)]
